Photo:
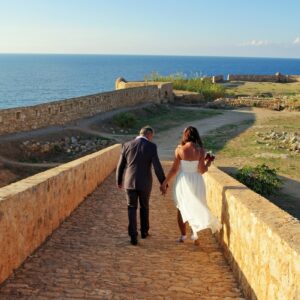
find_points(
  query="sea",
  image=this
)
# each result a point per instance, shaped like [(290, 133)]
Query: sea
[(30, 79)]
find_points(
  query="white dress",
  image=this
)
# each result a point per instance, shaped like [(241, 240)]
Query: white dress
[(190, 198)]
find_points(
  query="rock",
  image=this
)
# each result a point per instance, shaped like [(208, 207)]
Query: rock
[(74, 140), (293, 140), (67, 139), (45, 148)]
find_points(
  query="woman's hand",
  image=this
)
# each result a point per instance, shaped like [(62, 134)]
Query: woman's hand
[(208, 163), (164, 187)]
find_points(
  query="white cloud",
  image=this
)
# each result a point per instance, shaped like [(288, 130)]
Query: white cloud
[(255, 43), (297, 41)]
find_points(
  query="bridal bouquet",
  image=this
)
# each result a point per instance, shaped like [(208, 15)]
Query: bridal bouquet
[(210, 156)]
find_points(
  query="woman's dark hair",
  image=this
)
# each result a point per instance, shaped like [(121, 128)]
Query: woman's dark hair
[(191, 134)]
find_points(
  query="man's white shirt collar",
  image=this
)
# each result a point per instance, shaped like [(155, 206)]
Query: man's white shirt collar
[(141, 137)]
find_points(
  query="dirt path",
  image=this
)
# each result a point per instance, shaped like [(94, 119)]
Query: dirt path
[(168, 140)]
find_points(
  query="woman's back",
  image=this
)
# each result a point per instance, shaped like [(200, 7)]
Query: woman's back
[(190, 152)]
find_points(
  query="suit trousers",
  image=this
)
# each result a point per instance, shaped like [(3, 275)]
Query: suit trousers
[(133, 198)]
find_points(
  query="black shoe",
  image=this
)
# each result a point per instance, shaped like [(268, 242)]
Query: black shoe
[(144, 235), (133, 240)]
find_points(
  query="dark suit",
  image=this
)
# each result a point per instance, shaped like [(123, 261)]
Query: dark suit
[(134, 174)]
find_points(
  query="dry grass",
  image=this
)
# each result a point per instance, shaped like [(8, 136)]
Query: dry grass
[(261, 88), (244, 147)]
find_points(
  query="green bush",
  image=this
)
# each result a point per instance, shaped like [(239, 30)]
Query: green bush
[(204, 86), (261, 179), (125, 120)]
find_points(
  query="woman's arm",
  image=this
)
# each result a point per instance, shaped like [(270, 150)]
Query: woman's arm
[(172, 171), (203, 164)]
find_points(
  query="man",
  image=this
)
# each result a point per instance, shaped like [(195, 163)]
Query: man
[(135, 176)]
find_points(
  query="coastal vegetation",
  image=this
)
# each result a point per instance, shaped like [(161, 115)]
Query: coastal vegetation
[(203, 86), (261, 179)]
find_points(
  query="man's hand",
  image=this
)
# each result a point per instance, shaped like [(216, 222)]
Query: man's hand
[(120, 186), (163, 188)]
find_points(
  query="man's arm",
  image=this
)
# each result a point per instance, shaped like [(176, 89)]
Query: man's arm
[(120, 168), (157, 167)]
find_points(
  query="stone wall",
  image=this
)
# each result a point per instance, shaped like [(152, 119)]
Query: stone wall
[(31, 209), (165, 89), (260, 241), (61, 112), (258, 78), (269, 103), (293, 78), (217, 78)]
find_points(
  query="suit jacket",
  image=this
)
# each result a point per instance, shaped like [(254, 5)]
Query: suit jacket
[(134, 167)]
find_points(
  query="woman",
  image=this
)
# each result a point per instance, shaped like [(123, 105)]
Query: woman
[(189, 187)]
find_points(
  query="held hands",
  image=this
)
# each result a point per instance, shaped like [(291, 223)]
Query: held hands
[(163, 188)]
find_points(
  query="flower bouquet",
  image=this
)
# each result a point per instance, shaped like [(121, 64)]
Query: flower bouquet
[(210, 156)]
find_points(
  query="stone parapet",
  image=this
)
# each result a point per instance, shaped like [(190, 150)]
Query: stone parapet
[(164, 89), (64, 111), (293, 78), (217, 78), (259, 78), (269, 103), (31, 209), (260, 241)]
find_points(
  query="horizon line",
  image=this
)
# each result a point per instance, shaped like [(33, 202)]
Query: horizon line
[(122, 54)]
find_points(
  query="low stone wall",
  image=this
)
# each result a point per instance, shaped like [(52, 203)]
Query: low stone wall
[(61, 112), (269, 103), (260, 241), (164, 89), (217, 78), (293, 78), (258, 78), (31, 209)]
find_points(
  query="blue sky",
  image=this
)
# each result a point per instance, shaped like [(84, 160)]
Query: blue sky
[(265, 28)]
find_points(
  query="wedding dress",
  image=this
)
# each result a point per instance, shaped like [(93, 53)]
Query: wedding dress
[(190, 198)]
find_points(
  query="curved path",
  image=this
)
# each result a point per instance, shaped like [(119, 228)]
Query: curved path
[(168, 140), (90, 257)]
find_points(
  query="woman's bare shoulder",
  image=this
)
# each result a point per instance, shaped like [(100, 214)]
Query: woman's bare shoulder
[(178, 151)]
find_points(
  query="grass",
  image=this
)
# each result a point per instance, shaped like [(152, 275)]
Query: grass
[(236, 148), (263, 89), (203, 86), (242, 147), (217, 139), (161, 117)]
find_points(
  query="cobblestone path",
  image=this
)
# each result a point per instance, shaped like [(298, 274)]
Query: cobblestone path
[(90, 257)]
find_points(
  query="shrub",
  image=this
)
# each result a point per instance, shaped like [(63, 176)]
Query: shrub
[(203, 86), (125, 120), (261, 179)]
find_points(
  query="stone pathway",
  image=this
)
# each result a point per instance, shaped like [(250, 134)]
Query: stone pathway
[(90, 257)]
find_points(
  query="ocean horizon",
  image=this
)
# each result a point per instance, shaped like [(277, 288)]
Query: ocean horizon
[(30, 79)]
